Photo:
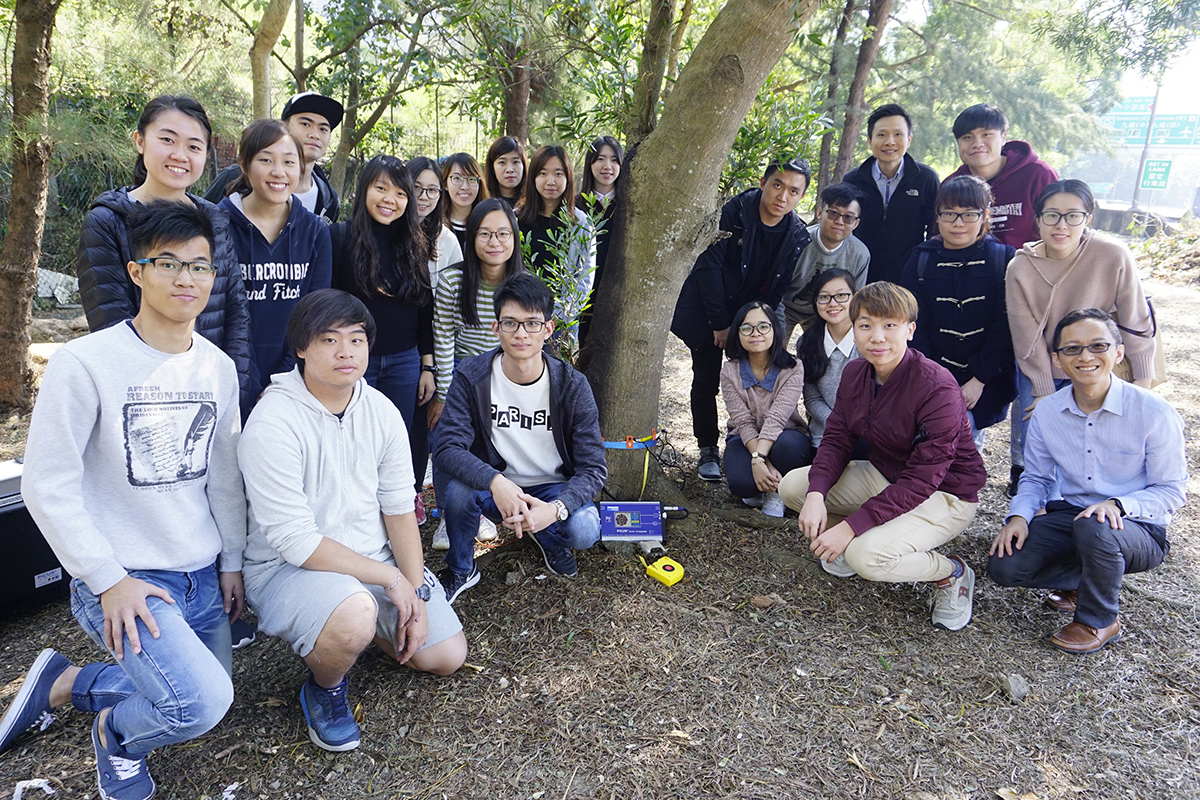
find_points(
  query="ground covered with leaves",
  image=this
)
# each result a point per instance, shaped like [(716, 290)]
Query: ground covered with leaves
[(757, 676)]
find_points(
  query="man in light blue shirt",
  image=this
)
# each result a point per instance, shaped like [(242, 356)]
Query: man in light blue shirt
[(1117, 452)]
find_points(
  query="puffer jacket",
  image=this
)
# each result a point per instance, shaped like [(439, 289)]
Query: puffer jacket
[(109, 296)]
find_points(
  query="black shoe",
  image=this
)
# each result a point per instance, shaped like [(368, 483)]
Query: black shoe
[(241, 633), (1014, 477), (559, 560), (709, 468), (455, 583)]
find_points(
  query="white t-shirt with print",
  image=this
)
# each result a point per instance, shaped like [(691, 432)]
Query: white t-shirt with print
[(521, 429)]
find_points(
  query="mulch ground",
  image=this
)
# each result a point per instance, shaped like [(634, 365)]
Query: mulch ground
[(757, 676)]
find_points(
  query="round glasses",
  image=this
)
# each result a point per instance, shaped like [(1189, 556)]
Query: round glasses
[(431, 192), (459, 180), (199, 270), (841, 298), (502, 236), (1072, 218), (1073, 350), (745, 329)]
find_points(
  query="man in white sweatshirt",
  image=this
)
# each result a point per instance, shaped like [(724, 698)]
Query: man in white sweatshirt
[(131, 475), (333, 560)]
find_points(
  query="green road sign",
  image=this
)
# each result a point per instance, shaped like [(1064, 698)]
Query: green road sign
[(1155, 175)]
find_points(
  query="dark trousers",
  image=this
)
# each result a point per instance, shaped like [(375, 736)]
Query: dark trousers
[(706, 384), (1062, 552), (792, 450)]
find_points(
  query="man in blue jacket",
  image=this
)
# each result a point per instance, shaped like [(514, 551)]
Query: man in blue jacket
[(519, 442), (753, 258)]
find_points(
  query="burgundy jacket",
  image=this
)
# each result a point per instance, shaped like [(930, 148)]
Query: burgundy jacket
[(920, 438), (1015, 190)]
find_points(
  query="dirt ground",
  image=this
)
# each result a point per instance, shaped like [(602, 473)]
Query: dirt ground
[(614, 686)]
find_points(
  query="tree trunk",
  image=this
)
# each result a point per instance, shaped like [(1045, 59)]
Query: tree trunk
[(298, 46), (516, 91), (265, 36), (666, 204), (337, 171), (27, 210), (877, 19), (653, 65), (831, 94)]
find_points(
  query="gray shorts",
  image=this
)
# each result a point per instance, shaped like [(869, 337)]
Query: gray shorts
[(294, 604)]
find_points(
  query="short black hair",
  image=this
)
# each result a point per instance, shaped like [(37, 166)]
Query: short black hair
[(153, 225), (790, 165), (324, 310), (1081, 314), (983, 115), (888, 110), (1068, 186), (527, 291), (841, 195), (778, 353)]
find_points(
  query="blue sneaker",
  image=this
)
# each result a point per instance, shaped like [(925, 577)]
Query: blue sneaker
[(559, 560), (31, 707), (455, 583), (241, 633), (331, 724), (120, 777)]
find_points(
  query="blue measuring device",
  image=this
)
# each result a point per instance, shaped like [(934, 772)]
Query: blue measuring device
[(633, 521)]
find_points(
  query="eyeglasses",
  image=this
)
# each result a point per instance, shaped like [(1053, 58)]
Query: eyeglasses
[(428, 191), (199, 270), (530, 325), (764, 328), (841, 298), (1076, 349), (459, 180), (503, 236), (955, 216), (834, 216), (1072, 218)]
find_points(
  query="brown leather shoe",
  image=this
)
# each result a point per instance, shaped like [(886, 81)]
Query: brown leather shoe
[(1062, 599), (1079, 638)]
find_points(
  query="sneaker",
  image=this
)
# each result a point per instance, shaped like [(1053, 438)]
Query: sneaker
[(1014, 477), (753, 502), (31, 707), (120, 777), (772, 504), (242, 633), (419, 509), (709, 468), (331, 724), (559, 560), (952, 602), (487, 530), (456, 583), (441, 539), (427, 481), (838, 568)]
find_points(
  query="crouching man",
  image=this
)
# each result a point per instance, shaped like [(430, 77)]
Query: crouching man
[(520, 442), (1117, 451), (333, 560)]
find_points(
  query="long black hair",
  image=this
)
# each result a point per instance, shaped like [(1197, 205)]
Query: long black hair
[(778, 354), (535, 204), (502, 147), (406, 278), (431, 226), (470, 266), (811, 347), (587, 183), (169, 102)]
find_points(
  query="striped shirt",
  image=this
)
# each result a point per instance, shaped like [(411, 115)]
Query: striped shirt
[(1130, 449), (453, 338)]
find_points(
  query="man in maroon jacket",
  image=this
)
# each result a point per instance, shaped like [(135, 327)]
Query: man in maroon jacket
[(919, 487)]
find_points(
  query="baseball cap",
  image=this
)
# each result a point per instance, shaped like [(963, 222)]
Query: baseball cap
[(327, 107)]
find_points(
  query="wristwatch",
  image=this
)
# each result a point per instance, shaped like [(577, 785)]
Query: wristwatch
[(423, 592), (757, 454), (429, 368), (562, 510), (1117, 503)]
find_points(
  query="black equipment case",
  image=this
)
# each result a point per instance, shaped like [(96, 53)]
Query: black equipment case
[(30, 575)]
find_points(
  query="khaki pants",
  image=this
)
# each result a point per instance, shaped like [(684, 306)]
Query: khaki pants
[(900, 550)]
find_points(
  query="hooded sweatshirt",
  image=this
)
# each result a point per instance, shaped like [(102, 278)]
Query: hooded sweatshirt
[(1014, 191), (311, 475), (1040, 291), (276, 275)]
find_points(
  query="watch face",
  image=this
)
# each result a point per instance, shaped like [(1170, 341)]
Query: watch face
[(423, 592)]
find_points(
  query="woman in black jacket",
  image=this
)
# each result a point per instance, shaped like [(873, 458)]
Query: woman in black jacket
[(173, 142)]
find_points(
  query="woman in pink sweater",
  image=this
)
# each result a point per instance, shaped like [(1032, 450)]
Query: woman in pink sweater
[(1071, 267)]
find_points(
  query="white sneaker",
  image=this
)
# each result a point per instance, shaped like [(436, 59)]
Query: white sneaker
[(772, 504), (838, 568), (952, 604), (441, 539), (427, 481), (487, 530), (753, 502)]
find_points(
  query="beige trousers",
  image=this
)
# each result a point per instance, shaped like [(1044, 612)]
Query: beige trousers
[(900, 550)]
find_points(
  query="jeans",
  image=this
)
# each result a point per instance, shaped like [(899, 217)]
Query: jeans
[(976, 433), (706, 383), (179, 686), (462, 506), (792, 450), (396, 375), (1083, 555)]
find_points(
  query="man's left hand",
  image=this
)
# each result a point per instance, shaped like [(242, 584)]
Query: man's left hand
[(1105, 511), (833, 542), (233, 593), (411, 637)]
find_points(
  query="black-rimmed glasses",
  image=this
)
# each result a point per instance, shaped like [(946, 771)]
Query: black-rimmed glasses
[(199, 270), (1076, 349), (745, 329), (1072, 218), (530, 325)]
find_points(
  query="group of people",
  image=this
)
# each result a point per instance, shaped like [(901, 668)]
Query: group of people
[(242, 425), (928, 311)]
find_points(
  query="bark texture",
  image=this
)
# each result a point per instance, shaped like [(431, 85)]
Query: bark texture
[(667, 214), (655, 48), (831, 93), (265, 35), (517, 75), (27, 211), (877, 19)]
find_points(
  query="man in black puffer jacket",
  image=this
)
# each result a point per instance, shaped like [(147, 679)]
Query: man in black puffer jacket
[(109, 296)]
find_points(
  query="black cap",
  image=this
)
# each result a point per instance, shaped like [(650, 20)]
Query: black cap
[(327, 107)]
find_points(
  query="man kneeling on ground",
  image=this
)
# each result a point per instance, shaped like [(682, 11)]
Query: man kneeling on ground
[(1116, 451), (919, 487), (334, 555), (519, 441)]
